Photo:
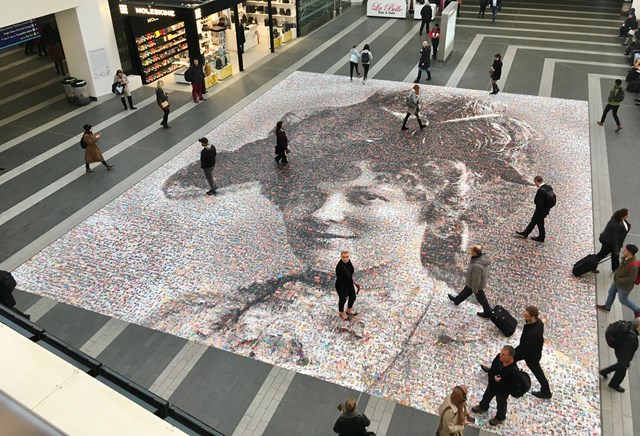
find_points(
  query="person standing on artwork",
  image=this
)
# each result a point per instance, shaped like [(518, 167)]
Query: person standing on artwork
[(122, 80), (625, 348), (346, 286), (496, 72), (434, 36), (282, 143), (530, 350), (365, 58), (92, 153), (162, 98), (624, 279), (350, 422), (207, 163), (195, 75), (424, 65), (502, 378), (616, 96), (543, 201), (476, 281), (613, 236), (413, 107), (354, 58), (453, 413), (425, 16)]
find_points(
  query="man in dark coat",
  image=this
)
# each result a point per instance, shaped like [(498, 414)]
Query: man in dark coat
[(350, 422), (541, 212), (207, 163), (502, 378), (425, 14), (624, 356), (530, 350)]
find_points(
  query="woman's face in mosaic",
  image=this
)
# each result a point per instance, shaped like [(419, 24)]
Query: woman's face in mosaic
[(371, 218)]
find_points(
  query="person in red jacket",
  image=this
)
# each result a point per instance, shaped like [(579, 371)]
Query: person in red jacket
[(434, 36)]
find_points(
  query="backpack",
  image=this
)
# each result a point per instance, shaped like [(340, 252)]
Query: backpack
[(82, 143), (410, 102), (7, 282), (618, 97), (616, 331), (364, 57), (550, 200), (187, 75), (521, 385), (636, 263)]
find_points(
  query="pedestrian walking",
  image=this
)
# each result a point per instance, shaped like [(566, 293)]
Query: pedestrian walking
[(282, 143), (122, 89), (354, 58), (365, 57), (92, 153), (425, 16), (459, 7), (476, 281), (530, 350), (453, 413), (616, 96), (351, 422), (424, 65), (195, 75), (207, 163), (494, 9), (544, 201), (162, 98), (346, 286), (624, 279), (56, 54), (434, 36), (495, 72), (502, 379), (613, 236), (625, 348), (483, 8), (413, 107)]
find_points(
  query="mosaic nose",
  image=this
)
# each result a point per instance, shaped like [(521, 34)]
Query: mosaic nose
[(333, 209)]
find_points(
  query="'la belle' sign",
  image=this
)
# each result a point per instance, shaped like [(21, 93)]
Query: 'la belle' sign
[(387, 8)]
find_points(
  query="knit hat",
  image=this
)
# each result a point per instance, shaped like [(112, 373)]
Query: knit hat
[(633, 249)]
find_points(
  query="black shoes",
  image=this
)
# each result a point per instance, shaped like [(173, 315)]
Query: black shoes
[(523, 234), (478, 409), (604, 375), (211, 192), (484, 315), (541, 395), (495, 421), (617, 388), (537, 239), (452, 298), (405, 128), (485, 368), (602, 307)]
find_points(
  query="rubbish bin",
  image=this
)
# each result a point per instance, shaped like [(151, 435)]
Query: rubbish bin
[(80, 92), (68, 90)]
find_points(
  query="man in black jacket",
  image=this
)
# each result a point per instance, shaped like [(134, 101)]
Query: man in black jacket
[(207, 163), (624, 356), (541, 212), (502, 378), (530, 350), (425, 14), (350, 422)]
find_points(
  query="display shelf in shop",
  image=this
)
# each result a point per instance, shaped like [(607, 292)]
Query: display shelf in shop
[(161, 49)]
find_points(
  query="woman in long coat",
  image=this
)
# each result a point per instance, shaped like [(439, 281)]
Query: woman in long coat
[(92, 153), (121, 79)]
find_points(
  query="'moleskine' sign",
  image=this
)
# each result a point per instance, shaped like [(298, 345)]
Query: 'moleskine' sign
[(387, 8)]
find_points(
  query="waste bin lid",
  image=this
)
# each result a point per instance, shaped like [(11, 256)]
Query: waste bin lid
[(79, 83), (68, 80)]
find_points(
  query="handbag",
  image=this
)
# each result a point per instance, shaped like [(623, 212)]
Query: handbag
[(119, 89), (164, 104)]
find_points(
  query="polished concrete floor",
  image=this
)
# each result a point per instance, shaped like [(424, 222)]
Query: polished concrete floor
[(563, 50)]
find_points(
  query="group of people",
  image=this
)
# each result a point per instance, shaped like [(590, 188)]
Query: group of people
[(48, 44), (355, 57), (496, 5)]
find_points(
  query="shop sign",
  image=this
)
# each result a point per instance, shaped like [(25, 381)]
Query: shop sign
[(138, 10), (17, 33), (387, 8)]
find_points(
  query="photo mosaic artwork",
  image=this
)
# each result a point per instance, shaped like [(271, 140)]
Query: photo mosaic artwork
[(251, 270)]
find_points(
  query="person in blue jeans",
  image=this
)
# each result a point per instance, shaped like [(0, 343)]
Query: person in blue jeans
[(623, 281)]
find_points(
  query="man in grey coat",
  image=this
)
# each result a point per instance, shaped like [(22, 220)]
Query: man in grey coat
[(476, 280)]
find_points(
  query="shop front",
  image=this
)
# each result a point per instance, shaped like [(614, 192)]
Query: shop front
[(225, 35)]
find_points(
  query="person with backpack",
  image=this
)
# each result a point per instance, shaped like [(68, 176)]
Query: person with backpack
[(424, 65), (613, 236), (616, 96), (434, 36), (92, 153), (365, 58), (622, 336), (544, 200), (413, 107), (624, 278), (351, 422), (530, 350), (503, 377), (354, 58)]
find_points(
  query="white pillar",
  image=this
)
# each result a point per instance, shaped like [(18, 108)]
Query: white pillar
[(90, 45)]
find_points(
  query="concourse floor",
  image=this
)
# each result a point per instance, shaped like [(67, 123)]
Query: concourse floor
[(225, 305)]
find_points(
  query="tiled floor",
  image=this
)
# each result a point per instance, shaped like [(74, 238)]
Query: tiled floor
[(42, 196)]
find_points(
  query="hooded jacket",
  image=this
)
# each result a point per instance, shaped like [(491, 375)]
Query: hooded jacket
[(477, 272), (625, 276), (616, 89)]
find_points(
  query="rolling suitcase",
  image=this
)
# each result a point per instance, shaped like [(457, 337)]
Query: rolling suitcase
[(504, 321), (585, 265)]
